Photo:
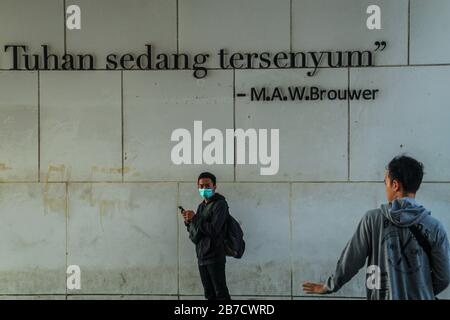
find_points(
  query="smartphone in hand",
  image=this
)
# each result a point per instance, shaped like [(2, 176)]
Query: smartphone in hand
[(182, 213)]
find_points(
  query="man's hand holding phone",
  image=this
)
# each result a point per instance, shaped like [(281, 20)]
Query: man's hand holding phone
[(187, 214)]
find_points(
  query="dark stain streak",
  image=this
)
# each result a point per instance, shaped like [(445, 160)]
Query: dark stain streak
[(142, 231)]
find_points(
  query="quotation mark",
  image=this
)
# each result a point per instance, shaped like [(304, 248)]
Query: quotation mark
[(380, 44)]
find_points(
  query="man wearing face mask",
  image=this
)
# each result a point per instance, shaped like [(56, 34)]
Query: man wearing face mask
[(207, 229)]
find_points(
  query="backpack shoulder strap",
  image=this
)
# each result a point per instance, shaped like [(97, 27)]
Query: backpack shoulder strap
[(422, 240)]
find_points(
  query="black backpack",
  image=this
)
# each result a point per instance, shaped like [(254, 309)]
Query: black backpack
[(234, 239)]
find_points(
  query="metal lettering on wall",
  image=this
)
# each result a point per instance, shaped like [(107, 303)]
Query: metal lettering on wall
[(22, 59)]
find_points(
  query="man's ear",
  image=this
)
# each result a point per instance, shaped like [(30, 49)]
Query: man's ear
[(395, 186)]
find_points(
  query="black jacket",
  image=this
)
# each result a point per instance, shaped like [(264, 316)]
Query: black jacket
[(207, 230)]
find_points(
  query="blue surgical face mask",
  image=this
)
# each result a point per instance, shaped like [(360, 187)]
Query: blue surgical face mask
[(206, 193)]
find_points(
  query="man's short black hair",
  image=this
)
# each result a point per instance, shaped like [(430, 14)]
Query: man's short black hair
[(206, 175), (407, 171)]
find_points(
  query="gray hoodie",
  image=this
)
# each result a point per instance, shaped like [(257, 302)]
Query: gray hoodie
[(397, 265)]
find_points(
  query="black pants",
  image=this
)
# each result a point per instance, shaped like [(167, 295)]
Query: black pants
[(214, 281)]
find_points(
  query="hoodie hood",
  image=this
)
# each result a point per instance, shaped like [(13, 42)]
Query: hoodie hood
[(404, 212), (216, 196)]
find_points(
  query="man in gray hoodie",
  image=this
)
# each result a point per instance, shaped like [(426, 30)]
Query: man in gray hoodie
[(406, 249)]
